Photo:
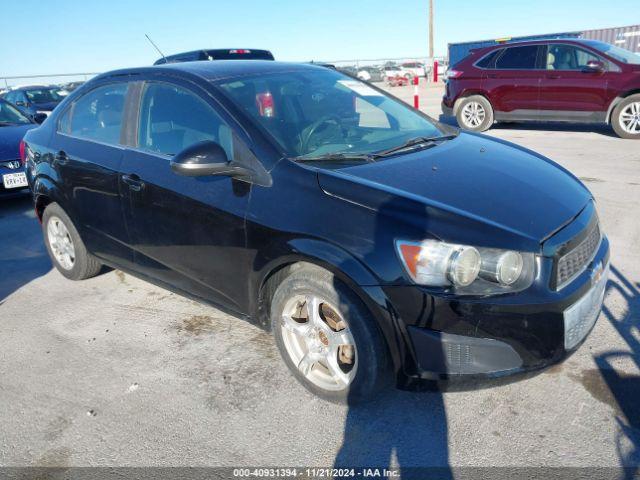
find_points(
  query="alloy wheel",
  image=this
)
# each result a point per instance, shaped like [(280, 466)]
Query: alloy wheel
[(319, 342), (473, 114), (630, 118), (61, 243)]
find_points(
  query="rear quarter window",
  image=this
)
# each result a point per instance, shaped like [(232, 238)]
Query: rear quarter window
[(489, 60)]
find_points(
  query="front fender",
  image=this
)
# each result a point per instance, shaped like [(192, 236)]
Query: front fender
[(350, 271)]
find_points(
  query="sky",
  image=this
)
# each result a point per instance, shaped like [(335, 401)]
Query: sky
[(69, 36)]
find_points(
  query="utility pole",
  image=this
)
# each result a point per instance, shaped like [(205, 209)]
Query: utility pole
[(431, 29)]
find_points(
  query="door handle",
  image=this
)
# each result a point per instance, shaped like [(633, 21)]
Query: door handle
[(61, 158), (134, 182), (554, 77)]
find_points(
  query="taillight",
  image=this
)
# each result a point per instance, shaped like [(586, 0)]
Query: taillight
[(453, 74), (23, 155)]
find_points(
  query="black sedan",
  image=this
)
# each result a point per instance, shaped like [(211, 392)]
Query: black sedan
[(378, 245), (13, 126)]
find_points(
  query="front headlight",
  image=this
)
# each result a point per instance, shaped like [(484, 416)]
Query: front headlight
[(466, 270)]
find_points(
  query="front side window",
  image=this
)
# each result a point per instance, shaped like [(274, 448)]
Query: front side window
[(321, 112), (97, 115), (172, 118), (568, 57), (518, 58)]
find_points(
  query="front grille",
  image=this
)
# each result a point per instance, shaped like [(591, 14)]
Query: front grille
[(575, 261), (11, 164)]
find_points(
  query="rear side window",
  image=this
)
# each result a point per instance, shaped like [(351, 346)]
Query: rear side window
[(172, 118), (97, 115), (518, 58), (489, 61)]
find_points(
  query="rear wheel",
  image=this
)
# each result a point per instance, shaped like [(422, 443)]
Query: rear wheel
[(65, 247), (626, 117), (474, 113), (327, 337)]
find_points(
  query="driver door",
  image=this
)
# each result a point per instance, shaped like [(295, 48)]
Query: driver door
[(185, 231), (569, 86)]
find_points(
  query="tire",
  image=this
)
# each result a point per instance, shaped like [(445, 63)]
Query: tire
[(474, 113), (364, 367), (65, 247), (625, 119)]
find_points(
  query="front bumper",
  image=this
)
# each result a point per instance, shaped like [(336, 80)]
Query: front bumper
[(458, 338)]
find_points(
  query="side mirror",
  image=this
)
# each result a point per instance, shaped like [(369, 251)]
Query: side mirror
[(595, 66), (205, 158), (20, 103), (39, 117)]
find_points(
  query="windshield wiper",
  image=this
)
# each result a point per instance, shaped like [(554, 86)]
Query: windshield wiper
[(415, 142), (337, 157)]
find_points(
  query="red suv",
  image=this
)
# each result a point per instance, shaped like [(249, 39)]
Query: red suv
[(582, 81)]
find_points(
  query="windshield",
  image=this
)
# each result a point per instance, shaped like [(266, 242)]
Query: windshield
[(620, 54), (10, 114), (322, 112), (44, 95)]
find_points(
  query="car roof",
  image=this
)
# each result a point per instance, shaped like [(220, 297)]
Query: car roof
[(577, 41), (211, 71)]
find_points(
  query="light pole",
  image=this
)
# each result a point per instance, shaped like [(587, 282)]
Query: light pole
[(431, 30)]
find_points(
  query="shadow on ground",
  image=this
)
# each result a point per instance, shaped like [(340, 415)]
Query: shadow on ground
[(623, 389), (604, 130), (23, 256), (400, 430)]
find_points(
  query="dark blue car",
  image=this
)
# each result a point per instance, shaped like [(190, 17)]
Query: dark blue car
[(34, 99), (377, 244), (13, 126)]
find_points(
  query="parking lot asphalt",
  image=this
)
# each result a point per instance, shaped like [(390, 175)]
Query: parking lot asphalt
[(115, 371)]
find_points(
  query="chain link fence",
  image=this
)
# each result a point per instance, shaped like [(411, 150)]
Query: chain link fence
[(382, 69), (58, 79)]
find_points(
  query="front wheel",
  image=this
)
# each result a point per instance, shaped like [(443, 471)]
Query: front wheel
[(327, 337), (626, 118), (474, 113)]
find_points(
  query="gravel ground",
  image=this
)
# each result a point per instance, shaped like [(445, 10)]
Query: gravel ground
[(115, 371)]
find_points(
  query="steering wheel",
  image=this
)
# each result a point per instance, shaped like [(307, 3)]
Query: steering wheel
[(315, 128)]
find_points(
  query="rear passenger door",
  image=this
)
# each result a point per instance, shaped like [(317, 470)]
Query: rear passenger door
[(88, 150), (514, 82), (186, 231)]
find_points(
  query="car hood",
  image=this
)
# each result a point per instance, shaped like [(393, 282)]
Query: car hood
[(473, 188), (10, 140)]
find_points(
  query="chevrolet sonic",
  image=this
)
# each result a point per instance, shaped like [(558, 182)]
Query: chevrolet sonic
[(377, 245)]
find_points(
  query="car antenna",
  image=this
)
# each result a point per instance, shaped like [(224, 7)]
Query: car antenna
[(156, 47)]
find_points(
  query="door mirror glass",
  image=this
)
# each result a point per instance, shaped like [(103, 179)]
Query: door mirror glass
[(595, 66), (203, 158)]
